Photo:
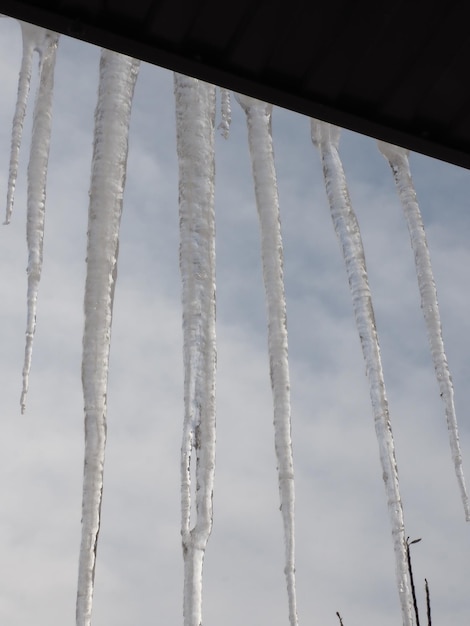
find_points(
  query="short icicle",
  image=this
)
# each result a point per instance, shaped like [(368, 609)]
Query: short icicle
[(326, 138), (118, 74), (33, 40), (37, 176), (226, 111), (258, 116), (195, 120), (399, 163)]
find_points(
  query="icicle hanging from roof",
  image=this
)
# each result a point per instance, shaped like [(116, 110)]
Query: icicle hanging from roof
[(326, 138), (226, 110), (195, 120), (118, 74), (398, 161), (33, 40), (258, 117), (46, 42)]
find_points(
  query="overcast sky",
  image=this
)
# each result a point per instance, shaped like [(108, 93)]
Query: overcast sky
[(344, 550)]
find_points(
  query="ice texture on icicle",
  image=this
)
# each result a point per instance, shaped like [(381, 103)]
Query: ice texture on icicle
[(37, 176), (226, 110), (118, 74), (258, 116), (33, 39), (398, 160), (326, 138), (195, 120)]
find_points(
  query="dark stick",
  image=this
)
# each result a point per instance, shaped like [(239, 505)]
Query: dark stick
[(428, 602), (413, 590), (339, 616)]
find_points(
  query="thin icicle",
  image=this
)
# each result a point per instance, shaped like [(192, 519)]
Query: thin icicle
[(398, 160), (258, 116), (33, 40), (118, 74), (37, 176), (326, 138), (195, 120), (226, 109)]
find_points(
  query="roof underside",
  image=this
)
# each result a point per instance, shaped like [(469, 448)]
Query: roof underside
[(393, 70)]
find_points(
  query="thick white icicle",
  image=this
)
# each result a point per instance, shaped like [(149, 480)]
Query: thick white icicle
[(258, 116), (195, 120), (326, 138), (118, 74), (398, 160), (224, 125), (37, 176), (33, 39)]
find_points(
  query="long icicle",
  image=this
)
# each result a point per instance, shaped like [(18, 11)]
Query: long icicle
[(33, 39), (118, 74), (399, 163), (37, 176), (326, 138), (258, 116), (195, 119)]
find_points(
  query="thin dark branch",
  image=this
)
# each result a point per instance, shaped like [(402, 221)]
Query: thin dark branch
[(428, 602), (339, 617), (413, 590), (414, 541)]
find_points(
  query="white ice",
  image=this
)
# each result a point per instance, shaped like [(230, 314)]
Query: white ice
[(33, 40), (46, 42), (118, 74), (226, 111), (195, 120), (258, 116), (398, 160), (326, 138)]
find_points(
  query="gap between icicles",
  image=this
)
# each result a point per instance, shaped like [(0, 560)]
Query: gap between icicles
[(195, 109)]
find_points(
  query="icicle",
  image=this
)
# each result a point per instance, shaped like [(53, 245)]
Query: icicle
[(37, 175), (398, 160), (224, 125), (118, 74), (326, 138), (195, 119), (33, 39), (258, 116)]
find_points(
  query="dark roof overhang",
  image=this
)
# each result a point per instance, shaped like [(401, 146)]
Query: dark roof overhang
[(396, 71)]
